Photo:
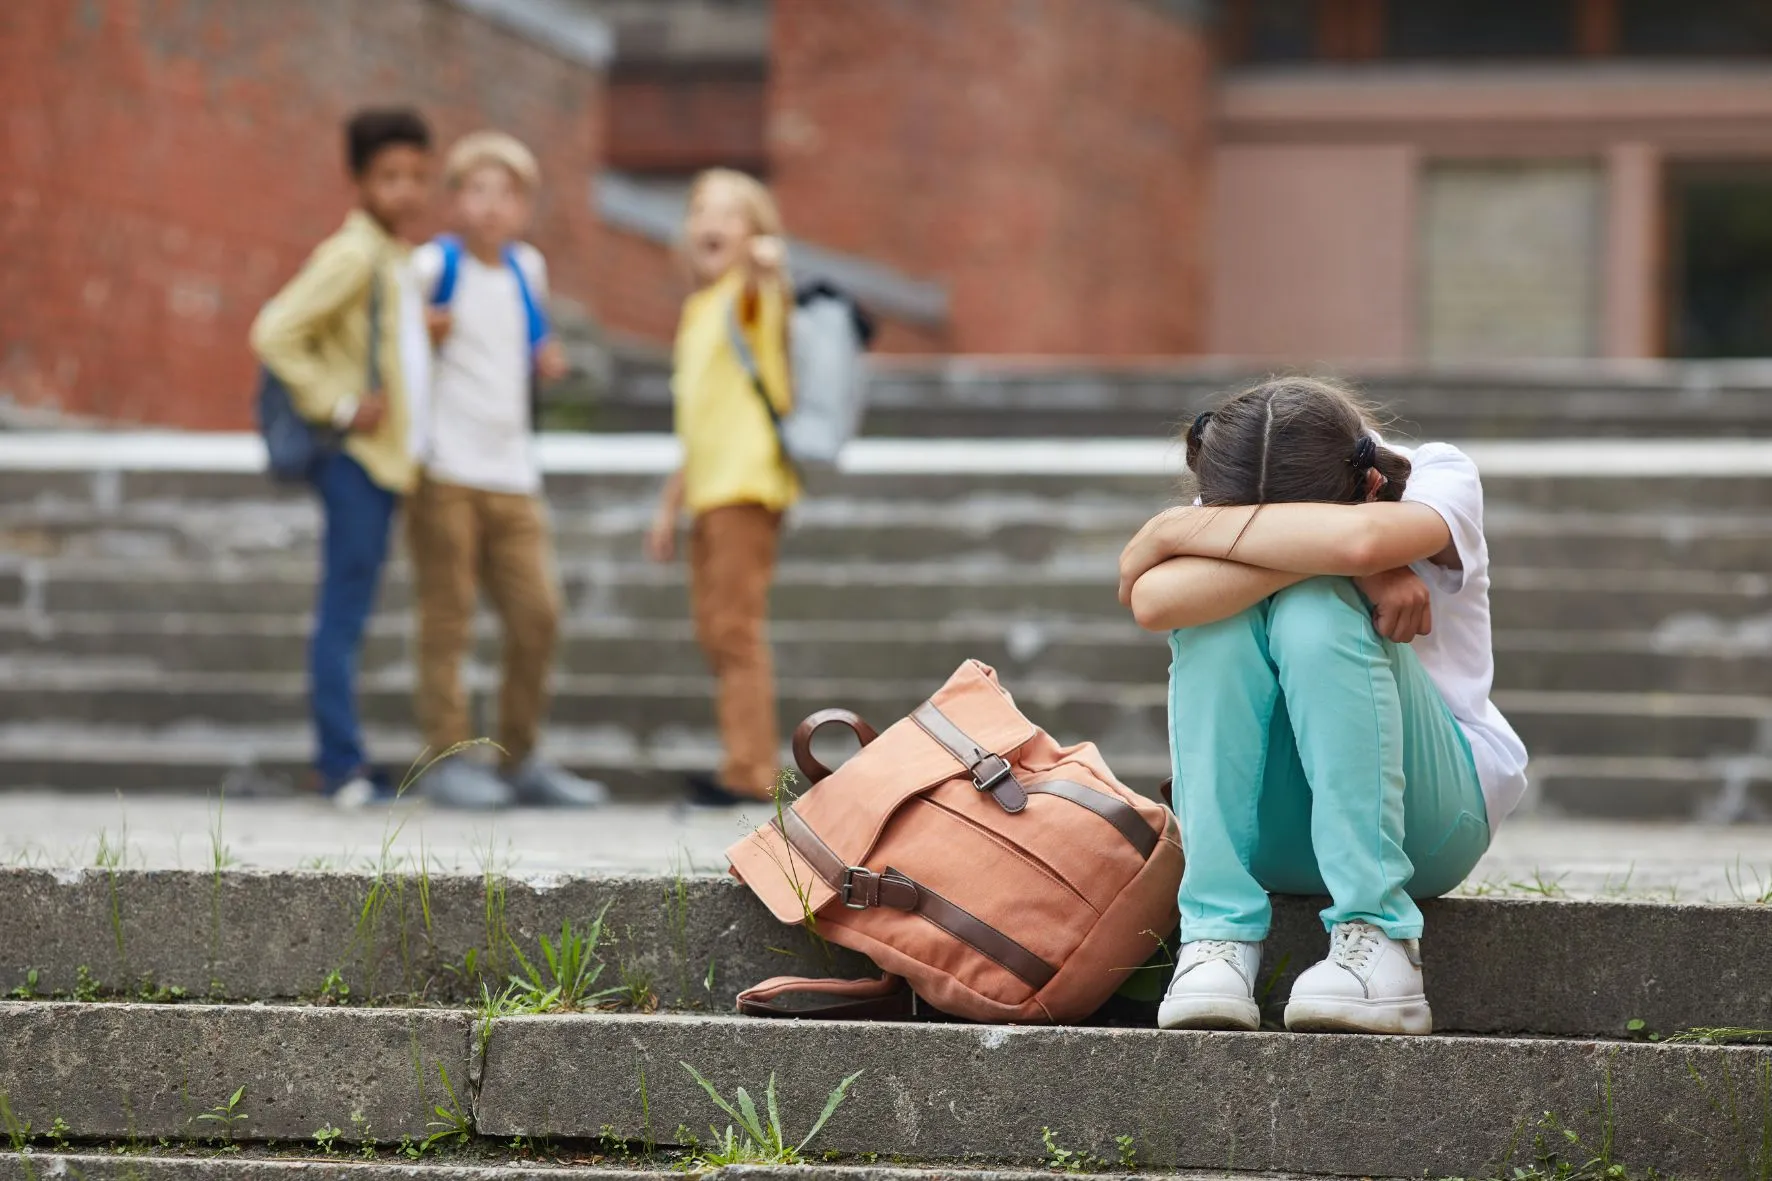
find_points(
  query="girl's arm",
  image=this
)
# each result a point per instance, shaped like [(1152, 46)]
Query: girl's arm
[(661, 539), (1189, 591), (1343, 539)]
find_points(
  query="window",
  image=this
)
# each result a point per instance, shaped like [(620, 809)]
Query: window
[(1421, 29), (1281, 31), (1694, 28), (1719, 261)]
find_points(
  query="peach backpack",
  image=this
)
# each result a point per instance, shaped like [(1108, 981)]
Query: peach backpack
[(1000, 876)]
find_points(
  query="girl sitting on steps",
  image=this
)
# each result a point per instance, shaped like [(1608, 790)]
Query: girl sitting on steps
[(1327, 604)]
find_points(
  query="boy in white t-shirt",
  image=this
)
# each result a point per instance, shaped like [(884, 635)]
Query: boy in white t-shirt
[(477, 520), (1327, 604)]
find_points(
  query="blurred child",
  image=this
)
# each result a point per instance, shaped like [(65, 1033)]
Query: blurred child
[(476, 520), (734, 480), (315, 336)]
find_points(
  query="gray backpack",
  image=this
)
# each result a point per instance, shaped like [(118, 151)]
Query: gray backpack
[(827, 335)]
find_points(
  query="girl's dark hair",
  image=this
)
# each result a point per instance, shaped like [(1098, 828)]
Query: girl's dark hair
[(369, 131), (1290, 439)]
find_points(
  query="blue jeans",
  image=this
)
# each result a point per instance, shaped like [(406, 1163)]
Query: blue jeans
[(1313, 756), (359, 515)]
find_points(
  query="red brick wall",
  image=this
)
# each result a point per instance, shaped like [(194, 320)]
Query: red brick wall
[(1045, 157), (682, 117), (165, 165)]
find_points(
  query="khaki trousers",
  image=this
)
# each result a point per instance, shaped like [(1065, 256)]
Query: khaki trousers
[(731, 562), (462, 540)]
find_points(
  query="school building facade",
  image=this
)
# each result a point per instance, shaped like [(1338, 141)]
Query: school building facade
[(1370, 183)]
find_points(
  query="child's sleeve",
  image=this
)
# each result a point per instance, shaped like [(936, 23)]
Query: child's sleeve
[(1446, 480), (333, 279)]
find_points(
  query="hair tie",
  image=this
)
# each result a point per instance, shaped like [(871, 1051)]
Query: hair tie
[(1200, 422), (1365, 454)]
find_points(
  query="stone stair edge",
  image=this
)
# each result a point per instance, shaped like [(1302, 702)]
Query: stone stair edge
[(1553, 966), (1275, 1101), (254, 1163)]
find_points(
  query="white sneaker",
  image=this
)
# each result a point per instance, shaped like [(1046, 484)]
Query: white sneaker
[(1370, 983), (1213, 988)]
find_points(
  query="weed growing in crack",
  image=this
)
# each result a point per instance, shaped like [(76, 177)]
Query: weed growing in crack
[(326, 1138), (1758, 892), (573, 969), (1541, 886), (28, 990), (226, 1117), (757, 1140), (1069, 1160), (676, 901), (1128, 1151), (86, 987), (452, 1125)]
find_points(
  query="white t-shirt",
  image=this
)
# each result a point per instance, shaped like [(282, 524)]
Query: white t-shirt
[(1458, 654), (479, 408)]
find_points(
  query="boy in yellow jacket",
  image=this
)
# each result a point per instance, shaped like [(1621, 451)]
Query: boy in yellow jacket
[(315, 336)]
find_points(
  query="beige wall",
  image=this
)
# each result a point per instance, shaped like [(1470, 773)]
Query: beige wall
[(1312, 253), (1319, 217)]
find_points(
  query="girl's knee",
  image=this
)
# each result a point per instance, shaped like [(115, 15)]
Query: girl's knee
[(1224, 639), (1316, 615)]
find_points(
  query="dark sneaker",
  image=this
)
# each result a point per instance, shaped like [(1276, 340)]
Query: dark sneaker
[(543, 785), (707, 792)]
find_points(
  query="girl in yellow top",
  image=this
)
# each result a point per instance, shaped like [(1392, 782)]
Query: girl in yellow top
[(734, 480)]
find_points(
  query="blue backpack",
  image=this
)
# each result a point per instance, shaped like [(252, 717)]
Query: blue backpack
[(534, 316), (293, 445)]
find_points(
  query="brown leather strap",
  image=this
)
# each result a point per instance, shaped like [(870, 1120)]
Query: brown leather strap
[(984, 938), (857, 887), (862, 889), (1166, 793), (1112, 809), (810, 766), (885, 999), (990, 771)]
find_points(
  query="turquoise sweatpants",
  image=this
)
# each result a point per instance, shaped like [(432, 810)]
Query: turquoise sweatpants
[(1314, 757)]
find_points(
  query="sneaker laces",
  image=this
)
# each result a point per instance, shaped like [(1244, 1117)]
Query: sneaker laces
[(1202, 950), (1352, 945)]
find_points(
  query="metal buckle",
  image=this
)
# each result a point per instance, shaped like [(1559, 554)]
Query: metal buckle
[(1002, 771), (846, 888)]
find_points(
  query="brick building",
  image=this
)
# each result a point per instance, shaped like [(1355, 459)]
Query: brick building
[(1386, 182)]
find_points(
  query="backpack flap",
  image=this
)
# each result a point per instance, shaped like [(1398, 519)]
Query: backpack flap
[(836, 824)]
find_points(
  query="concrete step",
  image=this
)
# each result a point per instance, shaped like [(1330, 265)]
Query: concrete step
[(993, 397), (1033, 530), (1440, 1106), (1128, 721), (1693, 658), (199, 758), (588, 472), (478, 1161), (481, 1159), (1495, 965), (1522, 599)]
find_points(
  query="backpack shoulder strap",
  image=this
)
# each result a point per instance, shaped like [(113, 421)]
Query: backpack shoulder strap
[(533, 313), (748, 361), (886, 998), (444, 291)]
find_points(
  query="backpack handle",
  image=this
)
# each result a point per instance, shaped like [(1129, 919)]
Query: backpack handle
[(810, 766)]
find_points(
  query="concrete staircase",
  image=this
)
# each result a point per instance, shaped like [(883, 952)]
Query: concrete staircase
[(154, 592), (336, 1001)]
